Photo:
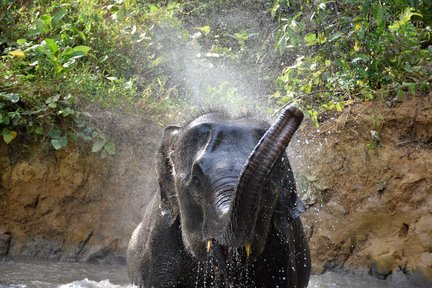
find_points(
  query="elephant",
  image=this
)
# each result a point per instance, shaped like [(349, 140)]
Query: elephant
[(226, 213)]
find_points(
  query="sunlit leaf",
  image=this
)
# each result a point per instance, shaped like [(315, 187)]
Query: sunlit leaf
[(56, 144), (110, 148), (12, 97), (357, 27), (311, 39), (18, 54), (335, 36), (81, 49), (21, 41), (204, 29), (128, 85), (356, 45), (98, 145), (66, 112), (322, 38), (241, 37), (153, 8), (51, 45), (41, 26), (8, 135), (52, 99)]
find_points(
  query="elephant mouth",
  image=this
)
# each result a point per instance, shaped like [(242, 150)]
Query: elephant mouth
[(213, 246), (224, 257)]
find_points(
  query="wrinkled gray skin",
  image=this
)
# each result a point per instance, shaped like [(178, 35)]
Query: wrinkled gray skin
[(222, 181)]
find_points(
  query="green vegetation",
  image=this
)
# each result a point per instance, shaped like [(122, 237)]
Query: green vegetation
[(60, 57), (353, 50)]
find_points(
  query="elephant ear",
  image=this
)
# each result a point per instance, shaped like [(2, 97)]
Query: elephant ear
[(165, 173)]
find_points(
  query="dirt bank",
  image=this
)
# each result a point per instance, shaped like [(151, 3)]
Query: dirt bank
[(367, 175), (74, 206), (369, 193)]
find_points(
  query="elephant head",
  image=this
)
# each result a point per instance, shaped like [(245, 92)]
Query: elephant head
[(226, 179)]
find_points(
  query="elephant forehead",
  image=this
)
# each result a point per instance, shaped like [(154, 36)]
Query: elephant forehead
[(226, 132), (211, 133), (221, 119)]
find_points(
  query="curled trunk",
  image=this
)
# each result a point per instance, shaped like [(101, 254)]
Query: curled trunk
[(256, 172)]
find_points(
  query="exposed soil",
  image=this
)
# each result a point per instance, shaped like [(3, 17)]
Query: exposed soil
[(72, 205), (370, 194), (367, 175)]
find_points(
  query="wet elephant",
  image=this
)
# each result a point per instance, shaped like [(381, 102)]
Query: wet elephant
[(226, 213)]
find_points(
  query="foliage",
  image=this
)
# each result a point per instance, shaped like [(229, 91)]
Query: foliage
[(348, 50), (59, 55)]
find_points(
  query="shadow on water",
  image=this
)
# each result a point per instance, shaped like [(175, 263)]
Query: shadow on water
[(31, 273)]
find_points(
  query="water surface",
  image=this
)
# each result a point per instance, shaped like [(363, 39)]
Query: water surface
[(31, 273)]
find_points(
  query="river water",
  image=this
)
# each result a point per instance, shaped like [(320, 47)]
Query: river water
[(30, 273)]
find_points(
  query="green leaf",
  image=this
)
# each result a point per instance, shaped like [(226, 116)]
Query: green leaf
[(76, 52), (335, 36), (400, 95), (57, 17), (12, 97), (379, 15), (128, 84), (66, 112), (21, 41), (241, 37), (54, 133), (51, 45), (204, 29), (47, 19), (5, 120), (39, 131), (8, 135), (63, 141), (311, 39), (41, 26), (98, 144), (56, 144), (153, 8), (110, 148), (81, 49)]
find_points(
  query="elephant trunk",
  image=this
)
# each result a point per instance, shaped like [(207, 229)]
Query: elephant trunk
[(256, 171)]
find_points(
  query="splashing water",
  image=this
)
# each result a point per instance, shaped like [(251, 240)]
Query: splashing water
[(30, 273)]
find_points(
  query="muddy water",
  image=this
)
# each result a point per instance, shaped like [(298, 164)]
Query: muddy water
[(30, 273)]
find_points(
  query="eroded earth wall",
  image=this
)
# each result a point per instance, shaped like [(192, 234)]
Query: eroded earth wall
[(72, 205), (367, 176)]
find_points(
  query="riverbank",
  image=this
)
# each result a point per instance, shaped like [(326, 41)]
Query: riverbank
[(366, 175)]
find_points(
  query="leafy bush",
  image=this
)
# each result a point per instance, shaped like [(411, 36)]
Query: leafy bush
[(348, 50), (60, 55)]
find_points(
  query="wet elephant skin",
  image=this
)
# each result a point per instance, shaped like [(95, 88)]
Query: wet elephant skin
[(227, 212)]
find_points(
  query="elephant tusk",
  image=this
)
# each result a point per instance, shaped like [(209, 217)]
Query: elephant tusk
[(248, 249), (209, 245)]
